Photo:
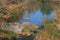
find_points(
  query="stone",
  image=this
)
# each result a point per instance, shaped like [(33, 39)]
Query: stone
[(26, 18), (26, 23)]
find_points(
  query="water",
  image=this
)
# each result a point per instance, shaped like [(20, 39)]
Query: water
[(36, 17)]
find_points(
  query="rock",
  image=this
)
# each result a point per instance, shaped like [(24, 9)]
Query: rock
[(26, 18), (16, 27), (28, 30), (26, 23)]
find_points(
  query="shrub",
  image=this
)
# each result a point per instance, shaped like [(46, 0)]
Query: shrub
[(3, 10), (53, 31), (7, 33)]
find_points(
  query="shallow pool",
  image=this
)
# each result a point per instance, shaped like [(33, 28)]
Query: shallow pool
[(36, 17)]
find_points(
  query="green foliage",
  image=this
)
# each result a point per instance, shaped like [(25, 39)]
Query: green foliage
[(8, 33), (16, 15), (1, 19), (3, 10), (50, 26), (46, 9), (12, 2), (32, 1)]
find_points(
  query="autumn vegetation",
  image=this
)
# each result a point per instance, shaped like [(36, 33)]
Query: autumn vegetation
[(12, 11)]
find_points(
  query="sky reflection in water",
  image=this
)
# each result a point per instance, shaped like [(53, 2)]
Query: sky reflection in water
[(36, 17)]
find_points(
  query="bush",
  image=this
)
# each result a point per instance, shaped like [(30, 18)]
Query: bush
[(3, 10), (16, 15), (52, 29), (7, 34)]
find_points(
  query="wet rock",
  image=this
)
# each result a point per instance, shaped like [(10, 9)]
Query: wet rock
[(26, 23), (26, 18), (29, 30)]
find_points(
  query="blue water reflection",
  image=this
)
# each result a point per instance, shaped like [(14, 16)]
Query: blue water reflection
[(36, 17)]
